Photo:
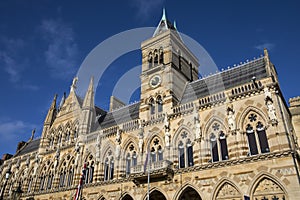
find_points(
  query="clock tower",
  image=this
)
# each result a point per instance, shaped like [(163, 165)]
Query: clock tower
[(167, 66)]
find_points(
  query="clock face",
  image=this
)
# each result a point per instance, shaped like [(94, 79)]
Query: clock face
[(155, 81)]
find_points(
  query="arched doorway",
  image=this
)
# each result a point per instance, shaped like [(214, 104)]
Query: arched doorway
[(157, 195), (189, 194), (127, 197)]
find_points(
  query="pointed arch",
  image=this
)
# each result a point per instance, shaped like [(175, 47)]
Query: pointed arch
[(157, 133), (107, 145), (128, 141), (180, 130), (243, 116), (156, 193), (226, 189), (210, 122), (186, 188), (126, 196), (266, 184)]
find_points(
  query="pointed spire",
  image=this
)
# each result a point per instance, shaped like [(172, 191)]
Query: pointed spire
[(163, 24), (74, 84), (51, 112), (88, 101), (266, 52), (62, 101), (174, 24), (164, 15)]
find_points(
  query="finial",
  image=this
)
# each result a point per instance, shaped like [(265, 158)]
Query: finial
[(32, 134), (266, 52), (164, 14), (174, 24), (74, 84)]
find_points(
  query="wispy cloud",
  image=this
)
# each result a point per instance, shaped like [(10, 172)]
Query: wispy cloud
[(10, 58), (12, 131), (267, 45), (145, 7), (62, 49), (14, 62)]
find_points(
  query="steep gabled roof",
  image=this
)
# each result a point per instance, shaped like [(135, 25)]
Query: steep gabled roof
[(30, 146)]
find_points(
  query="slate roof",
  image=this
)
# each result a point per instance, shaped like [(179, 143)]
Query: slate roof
[(118, 116), (224, 80), (29, 147)]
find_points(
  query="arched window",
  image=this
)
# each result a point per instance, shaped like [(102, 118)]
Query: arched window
[(50, 180), (152, 106), (214, 148), (109, 166), (128, 164), (223, 144), (112, 167), (185, 151), (263, 141), (189, 150), (106, 169), (159, 104), (251, 140), (161, 56), (181, 154), (218, 143), (256, 135), (155, 59), (131, 158), (62, 177), (156, 150), (150, 60), (89, 171)]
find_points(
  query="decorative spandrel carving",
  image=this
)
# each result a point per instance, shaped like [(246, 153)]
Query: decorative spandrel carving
[(227, 191), (268, 189)]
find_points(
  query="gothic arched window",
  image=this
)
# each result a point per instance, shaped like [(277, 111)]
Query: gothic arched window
[(159, 104), (161, 56), (254, 121), (150, 60), (155, 59), (131, 158), (152, 106), (185, 151), (156, 150), (218, 146), (109, 166), (214, 147)]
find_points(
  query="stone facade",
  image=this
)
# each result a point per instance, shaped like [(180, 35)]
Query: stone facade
[(195, 141)]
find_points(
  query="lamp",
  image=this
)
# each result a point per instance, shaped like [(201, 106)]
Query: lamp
[(7, 175)]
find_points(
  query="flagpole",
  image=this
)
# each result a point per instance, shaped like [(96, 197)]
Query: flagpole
[(149, 164)]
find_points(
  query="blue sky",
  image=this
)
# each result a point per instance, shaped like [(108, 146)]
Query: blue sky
[(43, 43)]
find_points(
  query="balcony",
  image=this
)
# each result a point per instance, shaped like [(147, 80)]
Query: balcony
[(160, 170)]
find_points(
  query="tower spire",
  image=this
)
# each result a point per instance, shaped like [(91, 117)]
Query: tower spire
[(163, 25), (51, 112), (88, 101)]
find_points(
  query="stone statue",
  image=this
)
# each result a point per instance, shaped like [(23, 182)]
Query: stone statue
[(267, 93), (231, 118), (77, 151), (74, 84), (98, 145), (271, 110), (57, 154), (36, 164), (167, 130), (141, 137), (197, 124), (118, 147), (28, 161)]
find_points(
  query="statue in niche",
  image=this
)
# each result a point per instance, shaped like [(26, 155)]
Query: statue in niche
[(267, 93), (118, 147), (98, 145), (231, 118), (57, 155), (167, 130), (77, 152), (141, 137), (197, 124), (36, 163), (271, 110)]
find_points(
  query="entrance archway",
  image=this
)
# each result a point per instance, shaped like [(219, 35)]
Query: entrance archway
[(189, 194)]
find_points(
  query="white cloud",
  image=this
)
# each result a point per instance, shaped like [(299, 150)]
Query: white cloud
[(62, 50), (145, 7), (267, 45), (11, 130), (13, 64)]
